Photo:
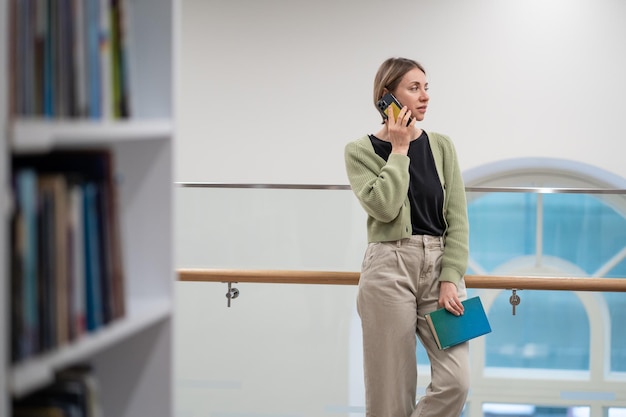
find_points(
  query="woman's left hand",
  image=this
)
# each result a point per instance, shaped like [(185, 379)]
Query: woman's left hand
[(449, 299)]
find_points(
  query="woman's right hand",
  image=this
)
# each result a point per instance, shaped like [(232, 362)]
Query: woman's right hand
[(400, 132)]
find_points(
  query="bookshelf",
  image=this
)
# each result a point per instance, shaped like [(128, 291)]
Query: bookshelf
[(131, 356), (4, 212)]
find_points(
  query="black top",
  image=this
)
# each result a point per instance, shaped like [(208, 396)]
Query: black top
[(425, 192)]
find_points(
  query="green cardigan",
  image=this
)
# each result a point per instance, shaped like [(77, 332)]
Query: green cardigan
[(382, 189)]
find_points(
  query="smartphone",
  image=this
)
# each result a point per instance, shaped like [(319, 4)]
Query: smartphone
[(388, 101)]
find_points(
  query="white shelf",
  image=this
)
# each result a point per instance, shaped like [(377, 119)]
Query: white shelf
[(33, 134), (38, 371)]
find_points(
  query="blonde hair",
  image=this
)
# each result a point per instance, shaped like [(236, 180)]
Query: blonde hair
[(390, 74)]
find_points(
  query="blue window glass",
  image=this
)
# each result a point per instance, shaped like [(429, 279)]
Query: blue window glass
[(616, 412), (566, 234), (520, 410), (580, 229), (502, 227), (583, 230), (550, 331), (616, 303)]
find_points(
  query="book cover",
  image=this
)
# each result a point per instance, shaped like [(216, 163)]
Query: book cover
[(450, 330)]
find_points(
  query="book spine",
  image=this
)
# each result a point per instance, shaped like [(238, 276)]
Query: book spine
[(49, 86), (40, 54), (46, 264), (93, 279), (77, 262), (80, 56), (92, 25), (28, 56), (123, 45), (26, 181), (106, 61)]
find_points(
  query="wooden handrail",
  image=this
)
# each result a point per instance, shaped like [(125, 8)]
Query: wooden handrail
[(352, 278), (269, 276)]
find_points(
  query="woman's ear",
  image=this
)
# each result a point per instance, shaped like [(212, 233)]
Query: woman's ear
[(382, 93)]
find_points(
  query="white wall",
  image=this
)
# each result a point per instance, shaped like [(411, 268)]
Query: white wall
[(272, 90)]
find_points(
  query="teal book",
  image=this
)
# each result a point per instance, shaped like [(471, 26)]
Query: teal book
[(450, 330)]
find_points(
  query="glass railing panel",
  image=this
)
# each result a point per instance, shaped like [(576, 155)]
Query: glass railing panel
[(257, 228), (279, 350), (295, 349), (532, 233)]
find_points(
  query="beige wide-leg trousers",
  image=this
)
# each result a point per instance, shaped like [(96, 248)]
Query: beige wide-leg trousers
[(398, 285)]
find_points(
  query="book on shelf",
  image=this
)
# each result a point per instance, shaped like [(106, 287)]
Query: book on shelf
[(73, 393), (450, 330), (119, 51), (67, 268), (24, 271), (77, 274), (67, 59), (54, 229)]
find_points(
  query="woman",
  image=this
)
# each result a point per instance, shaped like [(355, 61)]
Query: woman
[(409, 183)]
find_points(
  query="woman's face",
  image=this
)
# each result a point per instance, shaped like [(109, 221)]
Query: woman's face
[(412, 92)]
